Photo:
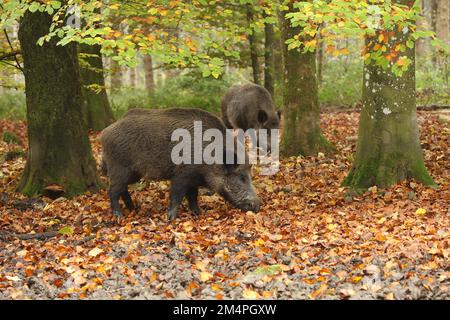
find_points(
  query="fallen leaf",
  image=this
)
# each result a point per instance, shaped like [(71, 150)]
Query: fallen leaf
[(66, 230), (205, 276), (390, 296), (421, 211), (13, 278), (22, 253), (95, 252), (317, 293), (250, 294)]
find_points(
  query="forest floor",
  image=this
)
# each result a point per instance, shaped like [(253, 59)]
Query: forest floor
[(311, 240)]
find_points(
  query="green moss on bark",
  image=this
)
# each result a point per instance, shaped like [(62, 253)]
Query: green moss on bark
[(59, 150), (388, 148)]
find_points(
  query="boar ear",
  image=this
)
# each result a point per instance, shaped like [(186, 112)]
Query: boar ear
[(262, 116), (279, 114)]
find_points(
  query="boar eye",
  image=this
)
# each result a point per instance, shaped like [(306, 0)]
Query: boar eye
[(243, 178)]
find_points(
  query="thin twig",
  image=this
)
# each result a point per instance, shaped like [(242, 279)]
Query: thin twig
[(9, 64), (83, 241), (9, 55), (29, 236), (12, 48)]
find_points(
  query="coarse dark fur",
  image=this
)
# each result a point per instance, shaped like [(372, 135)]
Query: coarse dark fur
[(249, 106), (139, 145)]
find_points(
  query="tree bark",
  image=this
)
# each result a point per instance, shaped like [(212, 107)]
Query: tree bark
[(443, 20), (253, 47), (133, 77), (149, 74), (116, 76), (434, 8), (422, 22), (98, 111), (443, 32), (59, 151), (433, 14), (320, 57), (269, 63), (301, 132), (388, 148)]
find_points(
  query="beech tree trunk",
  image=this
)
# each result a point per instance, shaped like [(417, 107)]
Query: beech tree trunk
[(269, 63), (320, 57), (443, 32), (388, 148), (421, 44), (443, 20), (149, 74), (59, 151), (98, 111), (434, 8), (301, 132), (253, 48), (132, 77), (116, 76)]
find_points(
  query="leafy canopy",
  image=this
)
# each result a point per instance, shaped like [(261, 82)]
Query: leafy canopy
[(388, 26), (181, 34)]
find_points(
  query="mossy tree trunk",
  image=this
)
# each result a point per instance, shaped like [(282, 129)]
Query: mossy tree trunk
[(98, 111), (269, 63), (301, 130), (388, 148), (59, 151)]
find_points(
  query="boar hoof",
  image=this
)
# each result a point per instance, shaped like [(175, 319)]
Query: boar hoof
[(117, 213), (172, 215), (196, 211)]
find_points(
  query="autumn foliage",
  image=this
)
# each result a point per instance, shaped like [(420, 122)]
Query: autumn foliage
[(312, 239)]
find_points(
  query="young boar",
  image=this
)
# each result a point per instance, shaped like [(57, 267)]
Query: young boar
[(249, 106), (139, 145)]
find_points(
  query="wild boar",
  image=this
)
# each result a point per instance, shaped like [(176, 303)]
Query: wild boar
[(140, 145), (249, 106)]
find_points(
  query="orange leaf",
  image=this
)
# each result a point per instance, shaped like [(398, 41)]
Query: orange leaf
[(250, 294), (318, 292)]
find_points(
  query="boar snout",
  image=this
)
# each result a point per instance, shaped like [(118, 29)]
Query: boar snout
[(251, 204)]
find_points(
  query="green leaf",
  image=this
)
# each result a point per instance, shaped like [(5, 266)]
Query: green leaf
[(33, 7), (206, 73), (65, 230), (268, 270), (410, 44), (50, 10)]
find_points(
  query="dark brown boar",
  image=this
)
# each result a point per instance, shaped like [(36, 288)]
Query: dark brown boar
[(139, 145), (249, 106)]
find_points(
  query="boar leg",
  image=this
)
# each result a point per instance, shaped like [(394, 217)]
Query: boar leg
[(127, 200), (120, 177), (114, 193), (178, 191), (192, 197)]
